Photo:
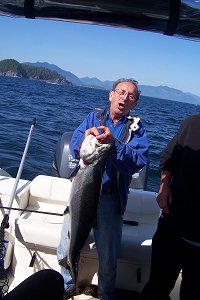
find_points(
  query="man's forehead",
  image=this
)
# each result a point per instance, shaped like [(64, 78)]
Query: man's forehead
[(125, 85)]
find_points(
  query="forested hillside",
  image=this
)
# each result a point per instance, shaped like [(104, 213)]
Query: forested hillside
[(11, 67)]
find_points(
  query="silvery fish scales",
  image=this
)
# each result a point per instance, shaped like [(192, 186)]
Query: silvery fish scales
[(84, 198)]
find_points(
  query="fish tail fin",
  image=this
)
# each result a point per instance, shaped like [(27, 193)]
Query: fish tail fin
[(64, 262)]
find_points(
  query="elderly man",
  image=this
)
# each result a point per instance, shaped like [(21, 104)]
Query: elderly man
[(116, 125)]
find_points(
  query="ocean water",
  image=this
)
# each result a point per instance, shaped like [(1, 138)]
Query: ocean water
[(61, 108)]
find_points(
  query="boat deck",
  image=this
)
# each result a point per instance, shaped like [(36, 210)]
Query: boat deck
[(120, 295)]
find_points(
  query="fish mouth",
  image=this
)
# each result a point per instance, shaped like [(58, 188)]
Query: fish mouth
[(92, 150), (89, 157), (88, 149)]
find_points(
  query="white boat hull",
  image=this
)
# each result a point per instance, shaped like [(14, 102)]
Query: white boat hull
[(36, 231)]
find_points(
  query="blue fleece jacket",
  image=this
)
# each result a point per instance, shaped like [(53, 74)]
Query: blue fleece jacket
[(129, 153)]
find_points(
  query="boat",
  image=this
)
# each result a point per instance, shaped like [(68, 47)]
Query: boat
[(36, 217), (170, 17), (35, 208)]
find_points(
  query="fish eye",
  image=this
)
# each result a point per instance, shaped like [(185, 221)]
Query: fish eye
[(100, 149)]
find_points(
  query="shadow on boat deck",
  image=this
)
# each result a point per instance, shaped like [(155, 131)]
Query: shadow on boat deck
[(127, 295), (120, 295)]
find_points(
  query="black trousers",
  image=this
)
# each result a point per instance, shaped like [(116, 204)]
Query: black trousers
[(42, 285), (170, 255)]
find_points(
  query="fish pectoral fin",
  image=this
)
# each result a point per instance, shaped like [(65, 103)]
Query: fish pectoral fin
[(74, 171)]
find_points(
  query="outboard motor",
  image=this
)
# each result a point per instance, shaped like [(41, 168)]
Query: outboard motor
[(139, 179), (64, 164)]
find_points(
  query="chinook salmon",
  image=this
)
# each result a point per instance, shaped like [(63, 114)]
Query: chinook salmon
[(84, 198)]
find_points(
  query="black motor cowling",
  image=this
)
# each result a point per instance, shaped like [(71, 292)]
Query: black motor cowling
[(64, 163)]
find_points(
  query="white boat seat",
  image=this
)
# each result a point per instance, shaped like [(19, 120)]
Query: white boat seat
[(136, 239), (47, 194), (142, 207), (51, 194)]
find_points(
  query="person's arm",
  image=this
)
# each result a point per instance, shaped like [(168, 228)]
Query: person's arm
[(133, 156), (130, 157), (169, 161), (164, 197), (127, 158)]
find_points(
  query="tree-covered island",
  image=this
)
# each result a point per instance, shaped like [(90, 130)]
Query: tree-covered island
[(12, 68)]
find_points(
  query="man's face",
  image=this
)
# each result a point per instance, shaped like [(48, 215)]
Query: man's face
[(123, 99)]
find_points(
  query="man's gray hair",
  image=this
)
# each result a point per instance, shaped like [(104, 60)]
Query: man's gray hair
[(131, 80)]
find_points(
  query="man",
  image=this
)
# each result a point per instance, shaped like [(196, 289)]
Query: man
[(129, 154), (176, 243)]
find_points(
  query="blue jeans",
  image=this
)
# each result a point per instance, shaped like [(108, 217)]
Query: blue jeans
[(108, 243)]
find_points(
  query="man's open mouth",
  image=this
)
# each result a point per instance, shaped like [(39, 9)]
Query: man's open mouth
[(121, 105)]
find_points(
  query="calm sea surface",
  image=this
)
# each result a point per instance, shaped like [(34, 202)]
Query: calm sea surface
[(60, 108)]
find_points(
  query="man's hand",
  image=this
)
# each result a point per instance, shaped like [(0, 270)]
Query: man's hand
[(94, 131), (106, 136), (164, 197), (102, 134)]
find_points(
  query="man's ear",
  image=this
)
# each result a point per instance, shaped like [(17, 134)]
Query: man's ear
[(111, 93)]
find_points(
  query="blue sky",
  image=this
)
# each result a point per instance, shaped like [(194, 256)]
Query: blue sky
[(107, 53)]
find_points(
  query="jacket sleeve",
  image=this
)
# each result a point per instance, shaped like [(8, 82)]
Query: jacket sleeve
[(131, 157), (170, 156)]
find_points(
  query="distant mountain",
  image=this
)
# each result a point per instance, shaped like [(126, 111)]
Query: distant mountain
[(12, 68), (94, 82), (68, 75), (162, 92), (165, 92)]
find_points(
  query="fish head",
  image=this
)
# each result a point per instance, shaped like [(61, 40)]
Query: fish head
[(92, 151)]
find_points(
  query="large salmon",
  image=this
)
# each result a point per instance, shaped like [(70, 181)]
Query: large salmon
[(84, 197)]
